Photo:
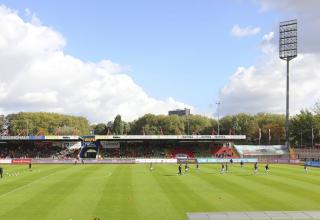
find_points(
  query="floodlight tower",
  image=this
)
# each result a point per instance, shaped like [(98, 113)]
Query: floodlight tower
[(287, 51)]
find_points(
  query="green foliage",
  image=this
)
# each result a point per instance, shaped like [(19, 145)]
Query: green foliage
[(173, 124), (301, 128), (316, 108), (42, 123), (118, 125), (199, 124), (149, 124), (1, 122), (276, 124), (100, 129)]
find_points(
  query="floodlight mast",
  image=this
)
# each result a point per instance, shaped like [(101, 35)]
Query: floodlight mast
[(288, 51)]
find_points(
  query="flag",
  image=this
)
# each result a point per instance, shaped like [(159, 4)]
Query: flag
[(259, 135), (269, 136)]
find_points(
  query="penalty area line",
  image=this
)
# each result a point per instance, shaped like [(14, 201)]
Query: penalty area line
[(24, 186)]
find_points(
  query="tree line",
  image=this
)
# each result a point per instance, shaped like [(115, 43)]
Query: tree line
[(43, 123), (263, 128)]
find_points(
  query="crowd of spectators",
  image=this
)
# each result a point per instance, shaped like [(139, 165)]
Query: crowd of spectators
[(307, 153), (155, 151), (136, 150), (30, 150)]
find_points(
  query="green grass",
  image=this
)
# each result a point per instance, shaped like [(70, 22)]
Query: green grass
[(133, 192)]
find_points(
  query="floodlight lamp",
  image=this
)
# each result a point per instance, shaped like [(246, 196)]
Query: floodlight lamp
[(288, 40)]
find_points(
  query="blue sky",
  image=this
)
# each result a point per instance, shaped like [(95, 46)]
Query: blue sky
[(102, 58), (181, 49)]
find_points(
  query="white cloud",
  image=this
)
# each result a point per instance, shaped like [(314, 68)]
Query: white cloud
[(295, 6), (237, 31), (49, 97), (36, 75), (267, 44), (262, 87), (308, 16)]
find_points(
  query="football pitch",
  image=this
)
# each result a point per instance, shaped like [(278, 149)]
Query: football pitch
[(133, 192)]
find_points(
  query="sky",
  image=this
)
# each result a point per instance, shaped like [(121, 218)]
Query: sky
[(102, 58)]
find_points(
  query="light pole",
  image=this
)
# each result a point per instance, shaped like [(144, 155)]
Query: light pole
[(188, 117), (218, 112), (27, 126), (312, 137), (288, 51)]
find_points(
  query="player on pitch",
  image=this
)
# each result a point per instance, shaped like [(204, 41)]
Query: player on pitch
[(1, 172), (255, 167)]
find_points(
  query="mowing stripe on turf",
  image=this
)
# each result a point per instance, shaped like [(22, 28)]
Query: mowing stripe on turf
[(28, 184)]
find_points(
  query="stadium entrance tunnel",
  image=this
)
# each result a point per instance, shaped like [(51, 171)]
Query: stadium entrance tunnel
[(89, 151)]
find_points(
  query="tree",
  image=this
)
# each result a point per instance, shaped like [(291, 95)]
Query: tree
[(276, 124), (118, 125), (301, 128), (36, 123), (198, 124), (316, 108), (1, 123), (100, 129)]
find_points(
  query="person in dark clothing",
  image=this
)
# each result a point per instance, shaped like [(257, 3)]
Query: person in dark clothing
[(179, 169), (186, 167), (1, 172), (241, 163), (255, 168), (222, 168), (30, 166), (267, 168), (305, 167)]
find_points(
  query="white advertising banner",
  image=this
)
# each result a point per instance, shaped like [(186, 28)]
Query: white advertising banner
[(155, 160), (170, 137), (5, 161), (261, 150), (226, 160)]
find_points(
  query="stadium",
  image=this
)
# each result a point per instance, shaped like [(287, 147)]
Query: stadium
[(85, 138), (137, 177)]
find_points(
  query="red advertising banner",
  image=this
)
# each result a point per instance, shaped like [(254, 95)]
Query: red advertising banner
[(21, 161)]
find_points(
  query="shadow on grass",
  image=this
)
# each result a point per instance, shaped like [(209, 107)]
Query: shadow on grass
[(171, 175)]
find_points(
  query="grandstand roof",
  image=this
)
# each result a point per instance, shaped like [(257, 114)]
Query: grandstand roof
[(125, 137)]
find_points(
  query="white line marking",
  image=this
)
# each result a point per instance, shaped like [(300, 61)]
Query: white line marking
[(24, 186)]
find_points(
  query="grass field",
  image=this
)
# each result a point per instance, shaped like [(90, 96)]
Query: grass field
[(133, 192)]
